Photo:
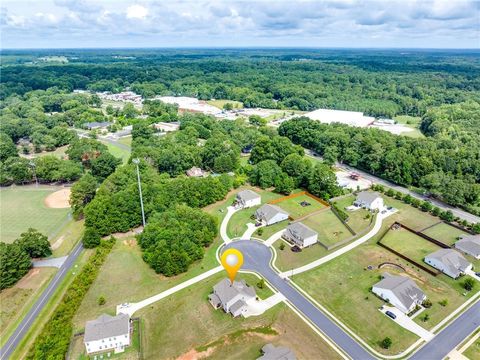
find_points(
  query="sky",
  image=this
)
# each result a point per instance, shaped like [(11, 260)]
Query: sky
[(232, 23)]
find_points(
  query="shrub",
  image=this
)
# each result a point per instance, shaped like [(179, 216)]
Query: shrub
[(101, 300), (91, 238), (386, 343), (425, 318), (469, 284), (443, 302), (260, 232), (282, 246), (261, 284), (427, 303)]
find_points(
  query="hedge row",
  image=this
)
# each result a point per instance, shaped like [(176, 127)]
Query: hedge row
[(53, 341)]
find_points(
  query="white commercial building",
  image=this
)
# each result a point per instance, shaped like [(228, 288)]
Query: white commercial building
[(352, 118)]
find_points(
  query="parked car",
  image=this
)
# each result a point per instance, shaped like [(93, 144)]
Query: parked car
[(390, 314)]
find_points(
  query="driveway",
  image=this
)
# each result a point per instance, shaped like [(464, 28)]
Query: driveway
[(407, 323), (53, 262), (223, 227), (257, 258)]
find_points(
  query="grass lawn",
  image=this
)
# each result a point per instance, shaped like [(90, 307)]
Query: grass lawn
[(330, 229), (266, 231), (67, 237), (16, 300), (117, 151), (58, 152), (126, 140), (293, 207), (238, 222), (219, 103), (409, 244), (473, 351), (359, 219), (444, 233), (287, 259), (22, 207), (214, 333), (412, 122)]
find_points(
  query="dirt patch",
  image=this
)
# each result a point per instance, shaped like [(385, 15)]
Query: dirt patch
[(24, 282), (194, 354), (57, 243), (127, 234), (59, 199), (131, 242)]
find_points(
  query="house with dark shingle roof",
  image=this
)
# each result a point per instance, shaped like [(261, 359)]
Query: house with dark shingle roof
[(232, 297), (270, 214), (449, 261), (469, 244), (107, 333), (400, 291), (300, 234)]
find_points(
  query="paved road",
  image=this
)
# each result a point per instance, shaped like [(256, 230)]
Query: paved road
[(450, 337), (464, 215), (7, 350), (257, 258)]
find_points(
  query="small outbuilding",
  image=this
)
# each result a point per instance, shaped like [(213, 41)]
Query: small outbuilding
[(247, 198), (300, 234), (401, 291), (270, 214), (369, 200), (449, 261), (469, 244), (107, 333)]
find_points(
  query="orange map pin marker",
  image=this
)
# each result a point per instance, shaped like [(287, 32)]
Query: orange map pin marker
[(232, 261)]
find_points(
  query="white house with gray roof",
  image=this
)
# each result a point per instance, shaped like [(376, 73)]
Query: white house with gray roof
[(469, 244), (400, 291), (270, 352), (270, 214), (300, 234), (107, 333), (369, 200), (232, 298), (449, 261), (247, 198)]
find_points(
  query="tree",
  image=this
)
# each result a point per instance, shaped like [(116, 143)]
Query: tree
[(14, 264), (103, 165), (82, 192), (34, 243), (447, 215), (386, 343), (257, 120), (322, 182), (265, 174), (426, 206), (228, 106), (7, 147), (261, 284), (469, 284), (91, 238)]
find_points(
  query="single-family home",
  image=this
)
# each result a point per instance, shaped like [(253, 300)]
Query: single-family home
[(167, 126), (247, 198), (300, 234), (270, 214), (107, 333), (195, 172), (270, 352), (96, 125), (232, 297), (400, 291), (369, 200), (469, 244), (449, 261)]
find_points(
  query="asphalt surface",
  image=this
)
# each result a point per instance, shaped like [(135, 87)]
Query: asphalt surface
[(22, 328), (450, 337), (464, 215), (257, 258)]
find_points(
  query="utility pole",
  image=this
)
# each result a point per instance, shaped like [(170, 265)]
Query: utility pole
[(136, 161)]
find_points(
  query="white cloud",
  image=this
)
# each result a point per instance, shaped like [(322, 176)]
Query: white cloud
[(137, 12)]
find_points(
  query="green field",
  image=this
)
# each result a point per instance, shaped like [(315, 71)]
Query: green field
[(126, 140), (22, 207), (293, 207), (58, 152), (412, 122), (219, 103), (444, 233), (287, 259), (358, 220), (409, 244), (329, 228), (118, 151)]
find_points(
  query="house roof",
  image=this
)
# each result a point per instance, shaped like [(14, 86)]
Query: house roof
[(469, 244), (96, 124), (226, 291), (237, 306), (299, 230), (246, 195), (269, 211), (271, 352), (404, 288), (367, 197), (452, 259), (106, 326)]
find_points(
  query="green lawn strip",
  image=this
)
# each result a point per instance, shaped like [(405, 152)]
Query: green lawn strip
[(359, 219), (473, 351), (17, 301), (22, 207), (44, 316), (287, 259), (409, 244), (67, 238), (219, 334), (266, 231), (293, 207), (329, 228), (219, 103), (444, 233), (126, 140), (343, 287)]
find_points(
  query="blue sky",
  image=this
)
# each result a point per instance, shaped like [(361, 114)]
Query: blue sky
[(231, 23)]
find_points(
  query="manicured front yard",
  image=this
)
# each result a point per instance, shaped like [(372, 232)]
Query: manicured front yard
[(409, 244), (444, 233), (329, 228), (359, 219), (287, 259), (293, 207)]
